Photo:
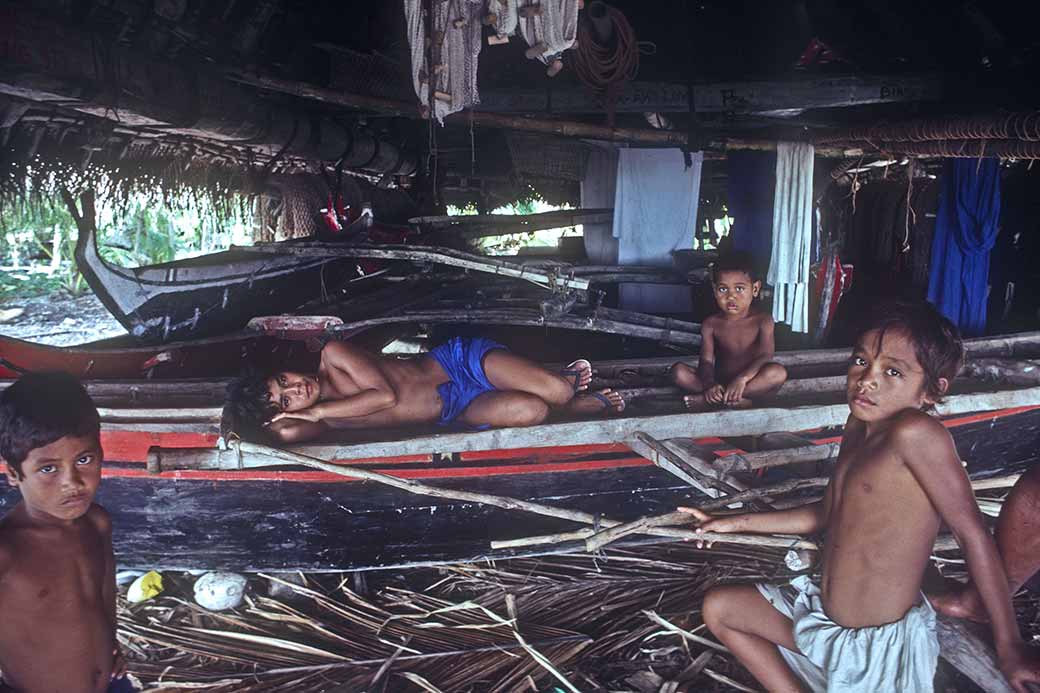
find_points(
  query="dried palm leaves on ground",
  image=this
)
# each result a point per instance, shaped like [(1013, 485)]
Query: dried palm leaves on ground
[(624, 620), (573, 622)]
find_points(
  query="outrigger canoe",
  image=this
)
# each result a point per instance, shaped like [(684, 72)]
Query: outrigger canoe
[(180, 501)]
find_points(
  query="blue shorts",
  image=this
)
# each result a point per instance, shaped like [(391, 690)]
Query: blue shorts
[(462, 358)]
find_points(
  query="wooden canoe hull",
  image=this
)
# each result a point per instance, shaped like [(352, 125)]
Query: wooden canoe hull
[(224, 356), (283, 519), (120, 359)]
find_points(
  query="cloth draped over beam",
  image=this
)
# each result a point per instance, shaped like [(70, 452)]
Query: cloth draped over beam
[(655, 212), (455, 50), (966, 227), (751, 181), (792, 234)]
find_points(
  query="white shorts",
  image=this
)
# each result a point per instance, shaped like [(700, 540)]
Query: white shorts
[(898, 656)]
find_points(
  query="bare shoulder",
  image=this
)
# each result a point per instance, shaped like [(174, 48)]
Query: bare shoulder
[(711, 322), (914, 431), (338, 349), (764, 320), (99, 520)]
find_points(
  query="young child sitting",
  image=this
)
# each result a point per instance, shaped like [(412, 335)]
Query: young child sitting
[(735, 364), (57, 572), (865, 626), (475, 381)]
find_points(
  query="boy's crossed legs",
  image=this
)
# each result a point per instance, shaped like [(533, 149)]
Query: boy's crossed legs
[(766, 382), (525, 393)]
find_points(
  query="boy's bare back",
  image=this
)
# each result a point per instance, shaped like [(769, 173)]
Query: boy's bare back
[(736, 341), (880, 522), (56, 633)]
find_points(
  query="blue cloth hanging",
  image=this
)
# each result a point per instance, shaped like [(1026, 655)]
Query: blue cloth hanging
[(966, 227), (751, 183)]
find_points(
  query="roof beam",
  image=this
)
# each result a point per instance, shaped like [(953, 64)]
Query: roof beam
[(838, 91)]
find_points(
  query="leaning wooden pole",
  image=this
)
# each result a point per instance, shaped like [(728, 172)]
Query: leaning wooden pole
[(254, 450)]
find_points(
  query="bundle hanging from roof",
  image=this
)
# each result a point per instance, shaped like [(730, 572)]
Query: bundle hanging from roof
[(454, 46), (550, 27)]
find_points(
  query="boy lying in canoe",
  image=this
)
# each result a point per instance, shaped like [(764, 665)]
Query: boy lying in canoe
[(474, 381), (864, 625)]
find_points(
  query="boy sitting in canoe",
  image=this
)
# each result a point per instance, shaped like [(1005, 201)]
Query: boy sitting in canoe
[(57, 572), (865, 626), (735, 365), (474, 381)]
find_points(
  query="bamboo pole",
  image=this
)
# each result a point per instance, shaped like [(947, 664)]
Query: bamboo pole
[(655, 524)]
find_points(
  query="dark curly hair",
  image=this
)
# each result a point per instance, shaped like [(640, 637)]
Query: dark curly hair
[(248, 405), (937, 342), (736, 261), (40, 408)]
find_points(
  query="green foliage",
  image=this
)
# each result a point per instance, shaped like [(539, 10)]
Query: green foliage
[(133, 230), (26, 285)]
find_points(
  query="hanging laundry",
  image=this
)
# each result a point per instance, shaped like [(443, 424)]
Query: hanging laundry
[(966, 227), (751, 182), (503, 18), (549, 27), (455, 47), (792, 234), (655, 212)]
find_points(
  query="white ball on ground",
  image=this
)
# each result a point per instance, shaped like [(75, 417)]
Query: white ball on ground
[(219, 591)]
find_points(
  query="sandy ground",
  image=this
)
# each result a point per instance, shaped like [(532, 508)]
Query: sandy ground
[(58, 319)]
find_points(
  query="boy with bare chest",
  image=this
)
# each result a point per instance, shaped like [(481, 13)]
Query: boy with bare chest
[(865, 626), (735, 364), (57, 572), (474, 381)]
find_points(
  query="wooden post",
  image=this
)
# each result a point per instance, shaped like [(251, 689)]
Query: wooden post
[(959, 646)]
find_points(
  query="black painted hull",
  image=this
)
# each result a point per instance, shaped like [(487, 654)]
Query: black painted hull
[(288, 521)]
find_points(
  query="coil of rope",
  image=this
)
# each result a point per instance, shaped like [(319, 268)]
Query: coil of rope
[(605, 68)]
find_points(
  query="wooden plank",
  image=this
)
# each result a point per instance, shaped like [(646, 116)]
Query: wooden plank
[(687, 425), (1024, 345), (589, 322), (701, 459), (728, 97), (962, 648), (748, 462), (667, 460), (181, 415)]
